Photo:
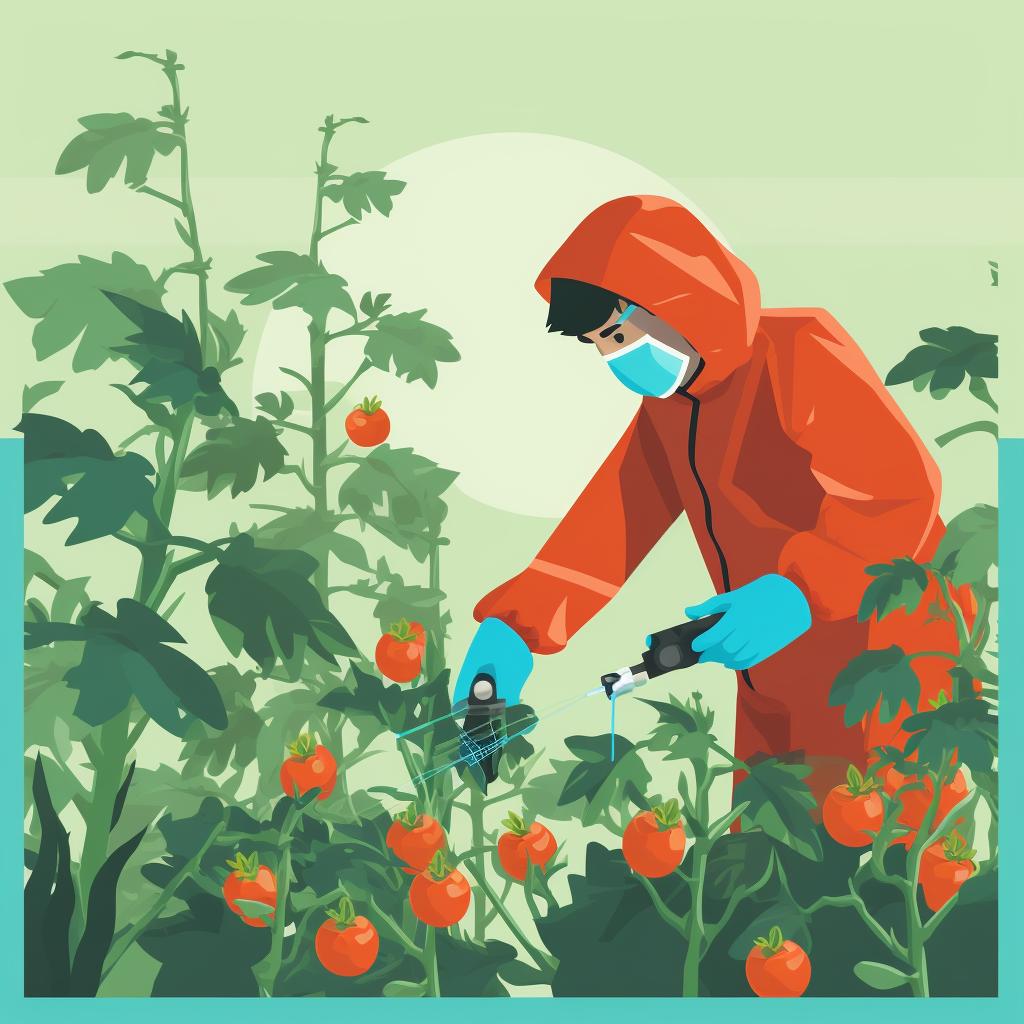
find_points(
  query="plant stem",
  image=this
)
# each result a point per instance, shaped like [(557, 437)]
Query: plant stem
[(269, 968), (429, 961), (542, 960), (476, 817), (142, 923)]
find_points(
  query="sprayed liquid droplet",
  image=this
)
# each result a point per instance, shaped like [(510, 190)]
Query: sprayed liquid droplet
[(612, 702)]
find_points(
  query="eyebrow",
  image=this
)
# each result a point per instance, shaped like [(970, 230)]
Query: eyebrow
[(623, 317)]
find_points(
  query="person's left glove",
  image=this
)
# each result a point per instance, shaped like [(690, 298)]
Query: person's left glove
[(499, 651), (759, 619)]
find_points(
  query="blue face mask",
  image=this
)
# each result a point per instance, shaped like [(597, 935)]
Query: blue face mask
[(648, 366)]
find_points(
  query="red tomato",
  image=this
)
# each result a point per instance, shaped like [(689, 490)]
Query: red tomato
[(524, 844), (415, 838), (250, 880), (853, 811), (439, 897), (400, 651), (345, 944), (654, 842), (916, 801), (368, 424), (311, 766), (945, 866), (776, 967)]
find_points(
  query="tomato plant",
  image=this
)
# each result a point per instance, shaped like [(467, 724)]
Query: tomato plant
[(854, 812)]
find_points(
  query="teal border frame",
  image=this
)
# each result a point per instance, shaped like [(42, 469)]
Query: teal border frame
[(598, 1011)]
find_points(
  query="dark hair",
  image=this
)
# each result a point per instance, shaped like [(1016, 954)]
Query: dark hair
[(577, 308)]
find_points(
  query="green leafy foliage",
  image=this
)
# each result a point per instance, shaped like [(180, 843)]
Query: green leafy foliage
[(882, 678), (262, 602), (393, 598), (897, 584), (291, 279), (110, 140), (169, 357), (50, 899), (966, 727), (126, 655), (398, 493), (590, 787), (373, 705), (411, 345), (946, 358), (69, 302), (277, 407), (106, 489), (683, 731), (364, 191), (970, 546), (308, 528), (610, 920), (234, 455), (214, 751), (33, 394), (780, 803)]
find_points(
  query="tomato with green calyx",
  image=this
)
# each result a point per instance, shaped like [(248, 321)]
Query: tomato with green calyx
[(654, 842), (415, 838), (777, 967), (945, 866), (851, 813), (399, 653), (346, 944), (439, 896), (250, 891), (368, 424), (523, 845), (311, 766)]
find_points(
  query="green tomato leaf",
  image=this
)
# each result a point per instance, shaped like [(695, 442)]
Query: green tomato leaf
[(970, 546), (683, 731), (966, 728), (946, 358), (898, 584), (365, 191), (170, 361), (398, 493), (277, 407), (127, 654), (881, 976), (262, 601), (110, 140), (780, 803), (106, 489), (69, 302), (214, 751), (33, 394), (876, 678), (234, 455), (597, 782), (292, 279), (306, 529), (411, 345)]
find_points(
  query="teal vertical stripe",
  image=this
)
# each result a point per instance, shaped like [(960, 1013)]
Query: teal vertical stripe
[(12, 545)]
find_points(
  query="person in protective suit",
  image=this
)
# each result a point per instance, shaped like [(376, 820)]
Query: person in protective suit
[(770, 430)]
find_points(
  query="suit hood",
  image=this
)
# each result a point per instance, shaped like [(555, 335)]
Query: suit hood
[(656, 253)]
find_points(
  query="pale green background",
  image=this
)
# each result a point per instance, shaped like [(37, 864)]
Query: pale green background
[(865, 158)]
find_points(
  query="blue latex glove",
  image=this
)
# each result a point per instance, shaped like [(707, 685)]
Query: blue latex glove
[(760, 618), (499, 651)]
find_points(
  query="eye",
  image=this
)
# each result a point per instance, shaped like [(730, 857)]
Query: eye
[(619, 338)]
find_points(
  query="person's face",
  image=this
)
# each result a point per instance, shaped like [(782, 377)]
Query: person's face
[(613, 336)]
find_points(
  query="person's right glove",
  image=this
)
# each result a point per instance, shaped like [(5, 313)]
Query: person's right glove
[(760, 618), (499, 651)]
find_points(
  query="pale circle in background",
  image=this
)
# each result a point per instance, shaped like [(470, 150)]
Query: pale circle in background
[(525, 416)]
